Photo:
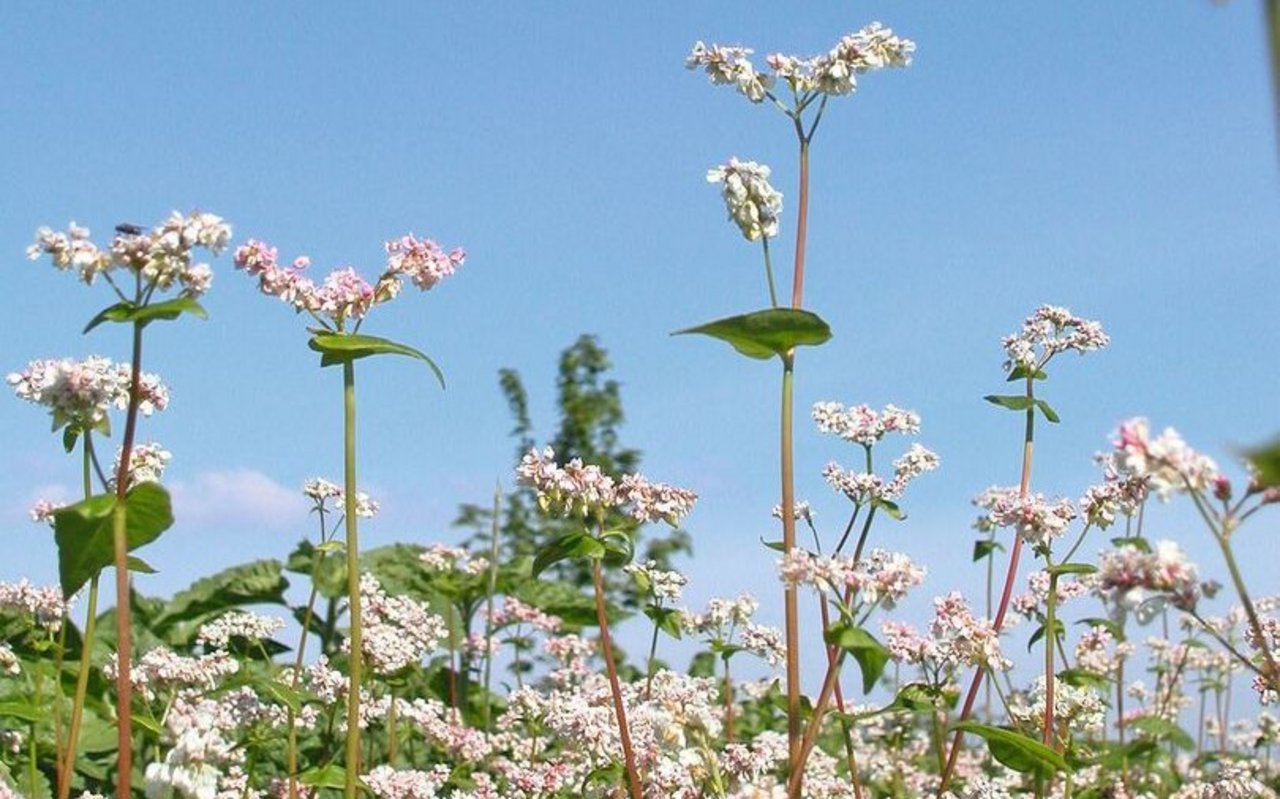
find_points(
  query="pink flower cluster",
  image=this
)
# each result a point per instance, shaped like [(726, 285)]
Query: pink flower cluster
[(1165, 462), (956, 639), (513, 611), (880, 577), (82, 392), (833, 73), (1036, 519), (861, 424), (344, 295), (864, 487), (1131, 576), (398, 630), (162, 257), (1047, 332), (577, 489), (44, 606)]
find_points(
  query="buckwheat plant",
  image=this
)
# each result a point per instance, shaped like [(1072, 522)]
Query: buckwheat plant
[(339, 305), (140, 267), (800, 87), (584, 491)]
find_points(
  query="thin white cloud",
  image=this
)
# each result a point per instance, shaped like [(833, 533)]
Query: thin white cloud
[(236, 496)]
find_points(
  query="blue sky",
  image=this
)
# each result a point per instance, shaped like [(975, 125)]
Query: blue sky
[(1115, 158)]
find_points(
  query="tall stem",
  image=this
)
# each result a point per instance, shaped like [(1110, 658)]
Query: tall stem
[(291, 764), (355, 661), (1015, 553), (120, 543), (1050, 644), (802, 224), (488, 622), (790, 598), (619, 709)]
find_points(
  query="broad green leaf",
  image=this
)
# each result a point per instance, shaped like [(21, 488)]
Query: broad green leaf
[(148, 724), (777, 546), (25, 711), (665, 619), (619, 548), (1072, 568), (328, 776), (84, 531), (1157, 728), (764, 334), (1014, 402), (870, 653), (1015, 750), (1039, 633), (139, 565), (890, 508), (917, 696), (571, 545), (337, 348), (255, 583), (1267, 461), (128, 312), (985, 547)]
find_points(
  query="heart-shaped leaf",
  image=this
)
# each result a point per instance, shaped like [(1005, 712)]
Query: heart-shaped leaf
[(870, 653), (764, 334), (85, 536), (338, 348)]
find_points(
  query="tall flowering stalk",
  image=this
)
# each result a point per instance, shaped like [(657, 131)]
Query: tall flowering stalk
[(800, 88), (139, 266), (1048, 332), (339, 305), (584, 491)]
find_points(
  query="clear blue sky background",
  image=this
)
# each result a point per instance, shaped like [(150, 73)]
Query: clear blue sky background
[(1117, 158)]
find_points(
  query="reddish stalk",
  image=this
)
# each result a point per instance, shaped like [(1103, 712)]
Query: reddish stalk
[(619, 709)]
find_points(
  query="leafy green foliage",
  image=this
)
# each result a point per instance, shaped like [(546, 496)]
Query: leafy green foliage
[(1267, 461), (870, 653), (84, 531), (129, 312), (764, 334), (1017, 751)]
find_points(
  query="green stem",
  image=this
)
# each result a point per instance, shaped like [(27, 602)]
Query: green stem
[(119, 537), (1050, 643), (307, 616), (354, 662), (1272, 677), (649, 671), (790, 599), (488, 623), (768, 272)]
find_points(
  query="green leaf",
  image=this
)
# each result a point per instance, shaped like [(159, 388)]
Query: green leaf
[(917, 696), (255, 583), (665, 619), (1048, 411), (336, 348), (1017, 751), (128, 312), (1079, 678), (570, 545), (870, 653), (764, 334), (619, 549), (984, 547), (890, 508), (1266, 460), (84, 531), (1039, 633), (1157, 727), (25, 711), (1014, 402), (776, 546), (1140, 544), (1071, 568), (148, 724), (139, 565), (331, 775), (1117, 632)]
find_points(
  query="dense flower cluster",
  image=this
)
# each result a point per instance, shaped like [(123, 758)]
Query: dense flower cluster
[(880, 577), (398, 630), (1131, 576), (861, 424), (147, 463), (251, 627), (1165, 462), (662, 584), (43, 606), (83, 392), (1075, 709), (578, 489), (1047, 332), (1033, 517), (344, 295), (833, 73), (753, 204)]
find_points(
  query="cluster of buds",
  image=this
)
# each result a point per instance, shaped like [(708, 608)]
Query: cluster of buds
[(329, 497), (578, 489), (161, 257), (754, 205)]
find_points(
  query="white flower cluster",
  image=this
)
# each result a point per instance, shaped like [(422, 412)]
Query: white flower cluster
[(252, 627), (834, 73), (880, 577), (663, 585), (147, 463), (1166, 463), (754, 205), (1047, 332), (861, 424), (162, 257), (398, 630), (82, 392), (578, 489), (161, 669), (1134, 578), (329, 497), (44, 606), (1033, 517), (8, 661), (1077, 710)]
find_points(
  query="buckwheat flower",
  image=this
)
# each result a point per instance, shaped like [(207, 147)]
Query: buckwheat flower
[(727, 65), (440, 558), (321, 490), (1047, 332), (765, 642), (1165, 462), (82, 392), (147, 463), (651, 502), (663, 585), (1236, 781), (217, 634), (161, 669), (386, 782), (43, 510), (8, 661), (800, 510), (860, 424), (71, 250), (422, 260), (398, 631), (513, 611), (163, 256), (873, 47), (884, 577), (916, 461), (1033, 517), (1097, 652), (752, 202), (904, 643), (578, 489), (797, 72), (1075, 710), (1133, 577), (45, 606), (958, 638)]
